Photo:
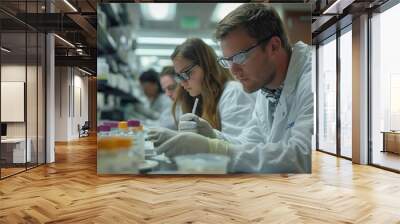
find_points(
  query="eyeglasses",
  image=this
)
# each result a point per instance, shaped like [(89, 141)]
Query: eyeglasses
[(240, 57), (185, 75)]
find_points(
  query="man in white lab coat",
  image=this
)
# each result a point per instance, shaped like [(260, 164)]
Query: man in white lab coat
[(257, 51)]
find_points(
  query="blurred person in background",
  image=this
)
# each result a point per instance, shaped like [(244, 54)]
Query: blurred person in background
[(168, 82), (158, 101), (169, 86)]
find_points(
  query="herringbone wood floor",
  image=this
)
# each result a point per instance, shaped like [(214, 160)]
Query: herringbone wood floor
[(69, 191)]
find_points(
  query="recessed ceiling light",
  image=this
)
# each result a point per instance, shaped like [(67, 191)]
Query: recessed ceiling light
[(153, 52), (158, 11), (223, 9), (170, 40)]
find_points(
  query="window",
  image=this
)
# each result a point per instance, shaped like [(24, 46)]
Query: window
[(22, 74), (385, 87), (346, 75), (314, 83), (327, 96)]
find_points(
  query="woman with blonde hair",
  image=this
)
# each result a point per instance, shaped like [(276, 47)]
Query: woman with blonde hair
[(222, 103)]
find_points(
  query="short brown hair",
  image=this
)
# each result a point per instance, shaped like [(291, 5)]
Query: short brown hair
[(167, 70), (259, 20)]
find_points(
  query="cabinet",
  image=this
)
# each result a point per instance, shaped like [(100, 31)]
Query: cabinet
[(391, 142)]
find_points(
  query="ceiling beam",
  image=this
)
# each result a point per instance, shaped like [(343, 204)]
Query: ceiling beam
[(86, 26), (81, 61)]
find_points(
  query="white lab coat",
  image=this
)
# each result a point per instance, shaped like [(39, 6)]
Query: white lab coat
[(167, 120), (235, 108), (161, 103), (284, 144), (152, 110)]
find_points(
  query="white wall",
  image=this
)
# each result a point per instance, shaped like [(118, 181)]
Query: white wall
[(33, 126), (71, 93), (61, 103), (12, 101), (14, 73), (80, 115)]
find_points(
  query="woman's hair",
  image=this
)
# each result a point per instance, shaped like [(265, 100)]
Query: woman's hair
[(215, 77), (153, 77)]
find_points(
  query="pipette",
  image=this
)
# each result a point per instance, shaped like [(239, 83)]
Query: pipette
[(195, 105)]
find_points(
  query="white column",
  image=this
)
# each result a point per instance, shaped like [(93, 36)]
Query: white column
[(50, 101), (360, 90), (50, 92)]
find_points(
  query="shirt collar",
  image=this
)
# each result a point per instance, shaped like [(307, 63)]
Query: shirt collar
[(272, 93)]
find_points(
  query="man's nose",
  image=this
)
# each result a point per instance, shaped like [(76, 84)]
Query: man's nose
[(236, 69)]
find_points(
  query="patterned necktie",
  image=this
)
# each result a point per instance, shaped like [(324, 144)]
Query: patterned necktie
[(272, 96)]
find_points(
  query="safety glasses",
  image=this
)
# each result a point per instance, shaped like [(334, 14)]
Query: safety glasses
[(185, 75)]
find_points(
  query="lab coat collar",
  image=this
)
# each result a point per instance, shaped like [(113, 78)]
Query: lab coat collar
[(299, 58)]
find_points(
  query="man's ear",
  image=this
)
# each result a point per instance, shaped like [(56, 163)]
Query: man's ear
[(275, 43)]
